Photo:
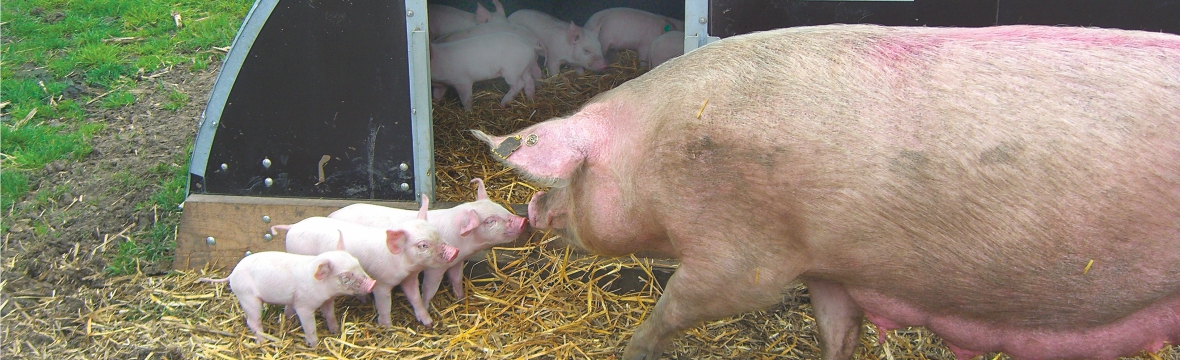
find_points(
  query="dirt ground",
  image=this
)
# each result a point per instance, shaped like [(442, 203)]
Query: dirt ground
[(47, 276), (56, 302)]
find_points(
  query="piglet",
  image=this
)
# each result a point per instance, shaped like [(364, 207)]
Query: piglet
[(665, 47), (563, 43), (499, 27), (299, 281), (470, 227), (444, 19), (461, 63), (626, 28), (393, 255)]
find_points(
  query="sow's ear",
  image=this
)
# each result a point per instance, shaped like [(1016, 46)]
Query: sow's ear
[(544, 151), (323, 269)]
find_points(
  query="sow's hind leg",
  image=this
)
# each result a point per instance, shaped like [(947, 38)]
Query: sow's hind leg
[(704, 290)]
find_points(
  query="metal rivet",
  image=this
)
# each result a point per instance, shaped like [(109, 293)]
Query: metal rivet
[(403, 167), (266, 163), (224, 167), (267, 237), (703, 20), (268, 182), (248, 253), (210, 241), (405, 186), (531, 140), (266, 219), (413, 111), (410, 13)]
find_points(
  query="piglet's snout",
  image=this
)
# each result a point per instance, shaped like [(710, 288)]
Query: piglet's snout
[(449, 253), (516, 225)]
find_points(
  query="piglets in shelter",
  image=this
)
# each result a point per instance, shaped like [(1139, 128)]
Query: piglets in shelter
[(461, 63), (444, 19), (565, 43), (392, 256), (302, 282), (634, 29), (665, 47), (1012, 188), (470, 227)]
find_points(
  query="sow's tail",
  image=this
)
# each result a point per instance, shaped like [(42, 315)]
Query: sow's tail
[(210, 280)]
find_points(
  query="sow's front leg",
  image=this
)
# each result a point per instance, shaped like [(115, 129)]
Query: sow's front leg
[(838, 318), (702, 291)]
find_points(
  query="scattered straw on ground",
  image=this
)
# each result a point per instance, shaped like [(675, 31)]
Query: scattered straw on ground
[(537, 301)]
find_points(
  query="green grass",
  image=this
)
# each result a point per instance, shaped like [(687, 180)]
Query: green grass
[(160, 240), (32, 147), (53, 48), (15, 184), (118, 99), (176, 100)]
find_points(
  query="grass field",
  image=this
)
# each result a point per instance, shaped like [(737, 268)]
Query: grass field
[(64, 59)]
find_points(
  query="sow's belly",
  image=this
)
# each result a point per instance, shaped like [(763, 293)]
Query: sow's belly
[(1147, 328)]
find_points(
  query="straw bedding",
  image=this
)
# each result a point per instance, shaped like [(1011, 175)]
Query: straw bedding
[(536, 301)]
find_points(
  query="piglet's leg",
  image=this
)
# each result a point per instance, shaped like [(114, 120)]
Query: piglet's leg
[(307, 320), (516, 84), (455, 276), (382, 295), (702, 291), (252, 309), (328, 309), (431, 279), (410, 287), (838, 319)]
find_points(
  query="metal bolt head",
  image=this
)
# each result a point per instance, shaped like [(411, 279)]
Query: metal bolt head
[(210, 241), (267, 237), (405, 187), (266, 163), (702, 20), (268, 182), (224, 167), (266, 219), (409, 13), (248, 253), (403, 167)]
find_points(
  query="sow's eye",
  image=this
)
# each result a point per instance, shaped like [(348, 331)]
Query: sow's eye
[(423, 246)]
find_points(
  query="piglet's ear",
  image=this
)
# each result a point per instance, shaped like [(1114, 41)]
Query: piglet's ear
[(323, 269), (425, 207), (468, 222), (573, 34), (481, 14), (395, 240), (340, 239), (499, 7)]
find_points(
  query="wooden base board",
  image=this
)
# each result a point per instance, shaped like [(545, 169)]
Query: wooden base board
[(236, 225)]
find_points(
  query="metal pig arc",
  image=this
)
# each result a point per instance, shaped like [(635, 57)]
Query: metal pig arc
[(307, 80)]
